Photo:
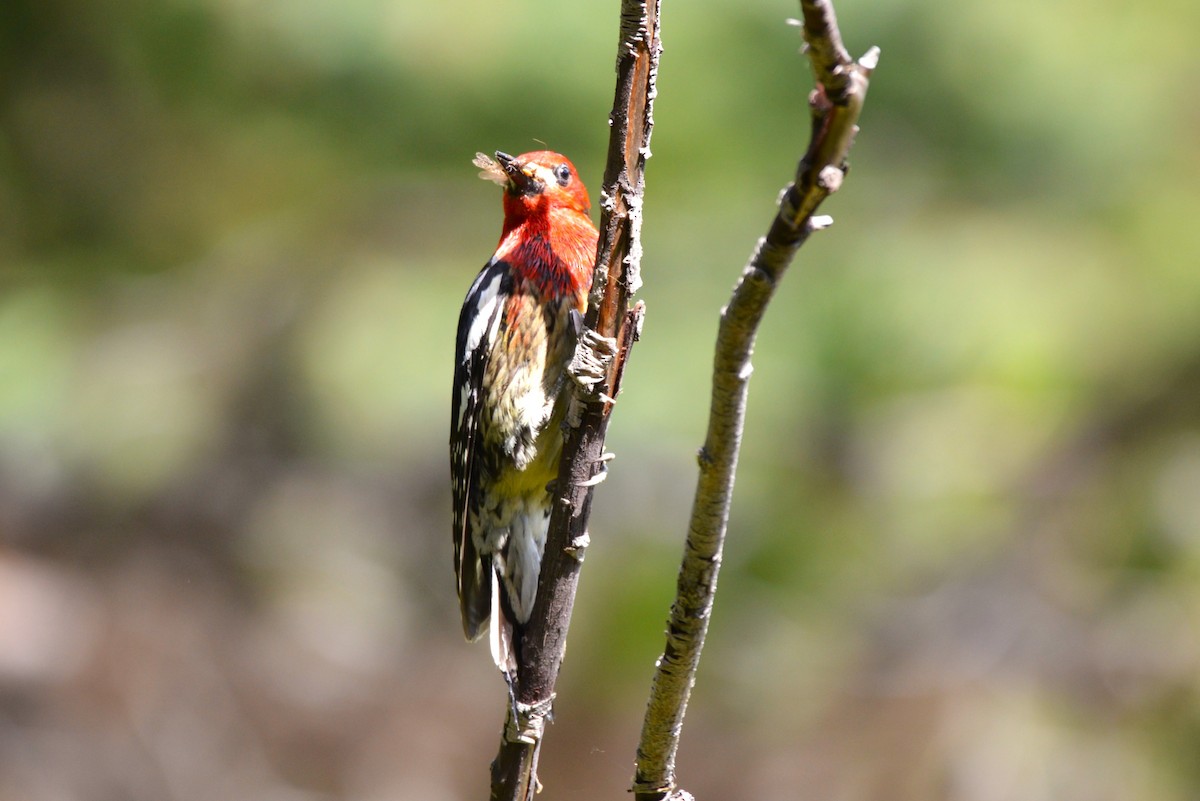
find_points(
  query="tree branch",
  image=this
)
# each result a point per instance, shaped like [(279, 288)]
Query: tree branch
[(540, 646), (835, 105)]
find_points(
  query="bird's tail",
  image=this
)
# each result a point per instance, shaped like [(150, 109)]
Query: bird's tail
[(500, 637), (476, 589)]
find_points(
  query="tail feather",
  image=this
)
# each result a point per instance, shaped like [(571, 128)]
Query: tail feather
[(500, 636), (476, 590)]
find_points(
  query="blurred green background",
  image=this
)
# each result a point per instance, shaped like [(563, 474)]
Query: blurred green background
[(965, 548)]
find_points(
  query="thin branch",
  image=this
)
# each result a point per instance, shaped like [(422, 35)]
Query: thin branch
[(540, 646), (835, 104)]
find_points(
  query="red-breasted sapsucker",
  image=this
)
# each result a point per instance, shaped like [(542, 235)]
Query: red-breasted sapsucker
[(515, 338)]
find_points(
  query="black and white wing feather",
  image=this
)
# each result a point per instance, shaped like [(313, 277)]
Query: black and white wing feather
[(478, 325)]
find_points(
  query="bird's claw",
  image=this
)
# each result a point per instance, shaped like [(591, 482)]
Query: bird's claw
[(592, 358)]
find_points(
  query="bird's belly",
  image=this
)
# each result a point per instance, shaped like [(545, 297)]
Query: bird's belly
[(521, 421), (527, 477)]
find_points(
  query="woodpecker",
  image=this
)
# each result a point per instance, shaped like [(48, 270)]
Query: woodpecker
[(515, 338)]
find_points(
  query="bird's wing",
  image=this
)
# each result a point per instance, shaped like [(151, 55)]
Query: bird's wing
[(478, 324)]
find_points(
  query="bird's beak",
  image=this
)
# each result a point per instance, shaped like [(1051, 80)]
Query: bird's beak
[(520, 177)]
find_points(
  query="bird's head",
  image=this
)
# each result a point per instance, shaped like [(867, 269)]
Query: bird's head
[(541, 179)]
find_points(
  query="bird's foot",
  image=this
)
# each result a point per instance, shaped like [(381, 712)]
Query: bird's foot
[(592, 359)]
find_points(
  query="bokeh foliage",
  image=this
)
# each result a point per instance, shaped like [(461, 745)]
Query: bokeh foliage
[(965, 548)]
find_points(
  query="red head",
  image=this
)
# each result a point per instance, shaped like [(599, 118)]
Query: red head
[(548, 238), (536, 183)]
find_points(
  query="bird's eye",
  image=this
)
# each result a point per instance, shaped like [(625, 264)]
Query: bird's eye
[(563, 173)]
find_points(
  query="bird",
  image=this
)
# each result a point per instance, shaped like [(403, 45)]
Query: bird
[(515, 338)]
